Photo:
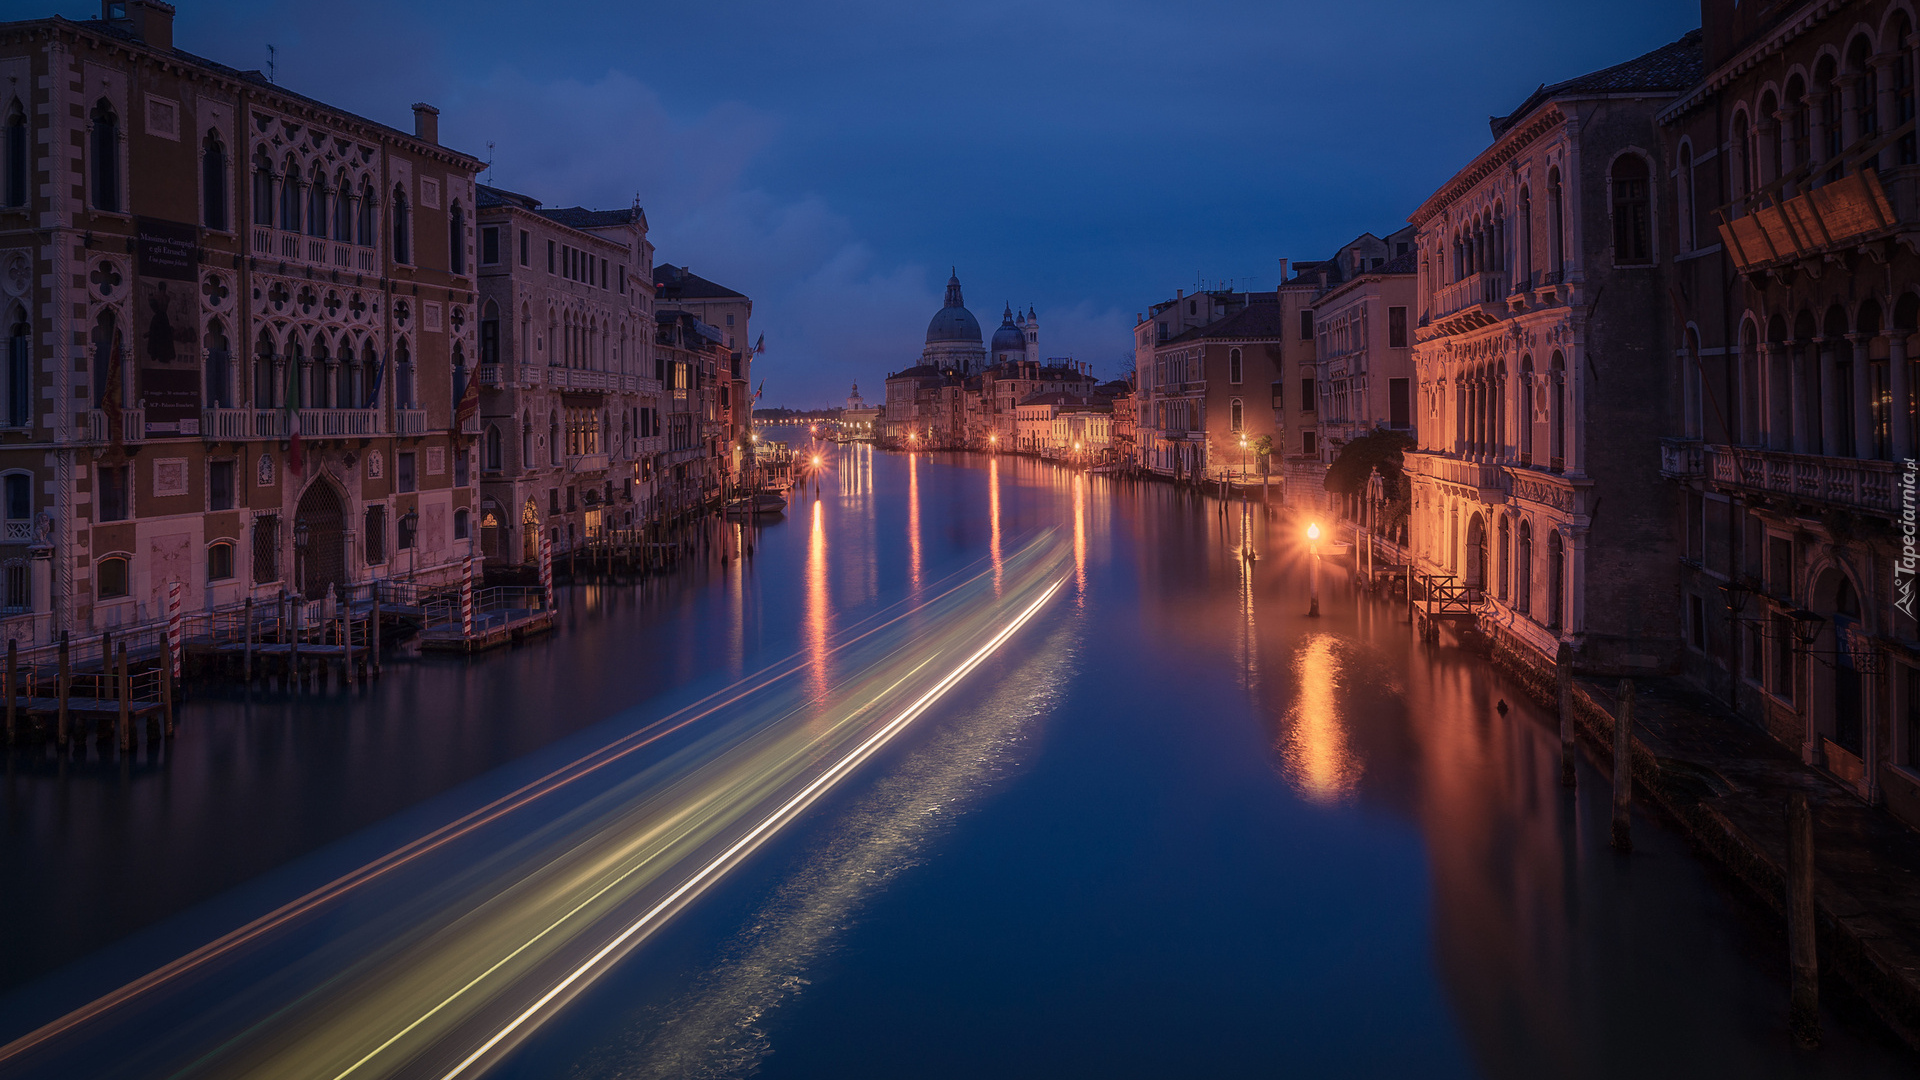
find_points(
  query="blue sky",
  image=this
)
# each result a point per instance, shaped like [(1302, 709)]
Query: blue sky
[(833, 159)]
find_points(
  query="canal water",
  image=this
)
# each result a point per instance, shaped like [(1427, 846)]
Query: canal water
[(1172, 827)]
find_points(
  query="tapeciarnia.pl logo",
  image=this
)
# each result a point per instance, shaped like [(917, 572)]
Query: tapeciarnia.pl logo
[(1904, 570)]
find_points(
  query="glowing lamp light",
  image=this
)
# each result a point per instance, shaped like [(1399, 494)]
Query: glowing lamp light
[(1313, 532), (816, 460)]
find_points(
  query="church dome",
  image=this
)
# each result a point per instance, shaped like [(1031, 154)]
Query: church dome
[(1009, 338), (953, 322)]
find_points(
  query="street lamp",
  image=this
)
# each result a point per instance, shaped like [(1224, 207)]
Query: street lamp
[(1243, 459), (410, 521), (1313, 570), (301, 533)]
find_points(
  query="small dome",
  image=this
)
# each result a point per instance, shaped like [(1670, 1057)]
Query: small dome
[(1008, 338)]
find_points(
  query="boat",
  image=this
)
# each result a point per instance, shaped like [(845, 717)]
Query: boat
[(757, 504)]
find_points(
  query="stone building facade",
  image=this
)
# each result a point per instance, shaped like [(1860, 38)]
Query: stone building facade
[(728, 313), (1543, 321), (570, 403), (1211, 388), (238, 322), (1793, 381)]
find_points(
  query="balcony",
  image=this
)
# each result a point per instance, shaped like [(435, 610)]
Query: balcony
[(1870, 486), (1682, 459), (133, 425), (339, 423), (580, 463), (1474, 301), (488, 376), (267, 242), (226, 425), (410, 421), (581, 379), (471, 425), (1488, 479)]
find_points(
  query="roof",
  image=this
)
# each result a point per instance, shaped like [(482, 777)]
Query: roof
[(1670, 68), (579, 217), (1063, 398), (254, 76), (1255, 322), (679, 283), (492, 196), (918, 371)]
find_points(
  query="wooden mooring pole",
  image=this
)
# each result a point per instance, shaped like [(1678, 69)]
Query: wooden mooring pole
[(1623, 769), (13, 685), (1804, 1011), (64, 689), (247, 652), (126, 703), (1563, 676)]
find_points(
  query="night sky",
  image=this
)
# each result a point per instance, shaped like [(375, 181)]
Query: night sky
[(832, 160)]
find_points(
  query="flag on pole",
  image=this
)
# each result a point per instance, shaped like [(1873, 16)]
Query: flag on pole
[(110, 403), (762, 390), (760, 346), (295, 462)]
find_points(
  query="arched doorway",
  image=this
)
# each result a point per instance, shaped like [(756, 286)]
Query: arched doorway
[(321, 562), (530, 532), (1475, 572), (490, 529)]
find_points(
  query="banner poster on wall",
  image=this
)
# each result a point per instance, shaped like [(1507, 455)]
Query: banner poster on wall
[(166, 327)]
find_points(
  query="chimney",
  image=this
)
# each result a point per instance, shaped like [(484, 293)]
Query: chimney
[(152, 22), (426, 123), (1283, 271)]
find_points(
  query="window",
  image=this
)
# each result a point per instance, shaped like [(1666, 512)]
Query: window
[(457, 240), (1233, 366), (1780, 568), (403, 471), (266, 549), (490, 335), (1684, 192), (462, 468), (343, 211), (491, 462), (621, 276), (1236, 415), (1396, 328), (404, 532), (220, 476), (219, 561), (317, 205), (1309, 443), (553, 500), (19, 585), (526, 242), (1697, 623), (1306, 326), (1632, 242), (402, 228), (20, 374), (105, 150), (376, 534), (551, 247), (603, 276), (213, 184), (1783, 659), (1400, 403), (366, 215), (17, 158), (489, 246), (19, 497), (110, 578), (1556, 226), (1308, 395), (111, 492), (460, 525), (1557, 412)]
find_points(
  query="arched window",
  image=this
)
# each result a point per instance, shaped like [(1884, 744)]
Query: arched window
[(317, 204), (343, 212), (17, 160), (457, 240), (554, 449), (1632, 238), (366, 214), (20, 371), (262, 189), (219, 367), (459, 374), (1524, 242), (1556, 226), (490, 460), (19, 497), (1237, 413), (105, 150), (219, 560), (213, 183), (263, 380), (460, 526), (1740, 169), (1557, 411), (1233, 365), (490, 333), (1502, 558), (367, 392), (1866, 88), (1523, 569), (1908, 150), (402, 376), (1832, 135), (110, 578), (402, 227), (526, 441), (290, 197), (1556, 581)]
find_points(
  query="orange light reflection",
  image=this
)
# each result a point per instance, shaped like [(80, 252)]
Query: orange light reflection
[(1318, 761), (993, 513), (913, 516), (816, 629)]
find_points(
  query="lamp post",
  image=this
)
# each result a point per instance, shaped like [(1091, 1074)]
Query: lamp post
[(301, 534), (1243, 459), (1313, 571)]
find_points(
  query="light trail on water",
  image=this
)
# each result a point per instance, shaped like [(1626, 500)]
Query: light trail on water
[(439, 957)]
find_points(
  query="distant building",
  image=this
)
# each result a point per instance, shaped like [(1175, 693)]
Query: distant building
[(727, 312), (859, 420)]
